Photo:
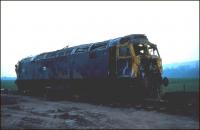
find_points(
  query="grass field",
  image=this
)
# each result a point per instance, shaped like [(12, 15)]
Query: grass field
[(175, 85), (181, 85), (8, 84)]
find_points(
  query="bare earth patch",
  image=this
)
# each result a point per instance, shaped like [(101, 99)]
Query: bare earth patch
[(34, 112)]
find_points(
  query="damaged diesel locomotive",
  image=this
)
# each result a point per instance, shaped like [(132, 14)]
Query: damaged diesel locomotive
[(124, 67)]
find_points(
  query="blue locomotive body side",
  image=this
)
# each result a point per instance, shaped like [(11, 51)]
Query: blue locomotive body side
[(72, 64), (130, 61)]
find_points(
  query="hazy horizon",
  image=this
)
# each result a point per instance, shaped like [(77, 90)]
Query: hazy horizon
[(33, 27)]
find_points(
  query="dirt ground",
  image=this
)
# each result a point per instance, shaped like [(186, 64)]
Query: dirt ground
[(37, 112)]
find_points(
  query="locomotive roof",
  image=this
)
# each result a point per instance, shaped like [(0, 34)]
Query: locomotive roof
[(133, 38)]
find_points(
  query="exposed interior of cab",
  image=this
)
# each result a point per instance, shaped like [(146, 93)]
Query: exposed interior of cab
[(146, 49)]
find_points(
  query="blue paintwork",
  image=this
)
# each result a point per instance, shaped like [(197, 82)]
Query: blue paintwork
[(67, 64)]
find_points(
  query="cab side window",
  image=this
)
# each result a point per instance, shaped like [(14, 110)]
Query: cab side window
[(124, 51)]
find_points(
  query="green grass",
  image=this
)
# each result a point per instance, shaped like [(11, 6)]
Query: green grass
[(181, 85), (8, 84)]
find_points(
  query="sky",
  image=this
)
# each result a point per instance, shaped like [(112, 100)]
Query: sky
[(29, 28)]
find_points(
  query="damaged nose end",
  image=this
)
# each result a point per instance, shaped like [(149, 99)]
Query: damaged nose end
[(165, 81)]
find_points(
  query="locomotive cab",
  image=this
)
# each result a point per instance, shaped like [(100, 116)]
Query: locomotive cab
[(134, 60), (140, 62)]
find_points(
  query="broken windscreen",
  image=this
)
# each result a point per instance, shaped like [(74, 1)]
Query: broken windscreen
[(146, 49), (153, 50)]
